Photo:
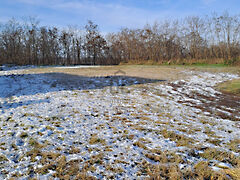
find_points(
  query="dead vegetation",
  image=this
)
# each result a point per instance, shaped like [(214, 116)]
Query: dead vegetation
[(56, 162), (222, 156), (180, 139), (95, 139), (136, 132)]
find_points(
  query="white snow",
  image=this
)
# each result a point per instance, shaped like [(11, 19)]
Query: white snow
[(66, 118), (76, 67)]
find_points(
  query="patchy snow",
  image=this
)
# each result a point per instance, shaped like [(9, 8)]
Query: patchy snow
[(76, 67), (105, 122)]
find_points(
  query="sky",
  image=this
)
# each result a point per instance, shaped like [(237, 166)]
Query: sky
[(111, 15)]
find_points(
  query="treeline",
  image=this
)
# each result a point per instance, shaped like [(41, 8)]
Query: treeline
[(208, 39), (27, 43)]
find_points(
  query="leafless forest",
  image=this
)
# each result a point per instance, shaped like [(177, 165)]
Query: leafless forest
[(209, 39)]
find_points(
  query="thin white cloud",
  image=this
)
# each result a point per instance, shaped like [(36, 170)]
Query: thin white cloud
[(32, 2), (106, 14), (114, 14), (208, 2)]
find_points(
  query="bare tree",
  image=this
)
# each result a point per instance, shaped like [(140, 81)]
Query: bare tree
[(95, 44), (213, 38)]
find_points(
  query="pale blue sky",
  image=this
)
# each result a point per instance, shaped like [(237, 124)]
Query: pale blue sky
[(111, 15)]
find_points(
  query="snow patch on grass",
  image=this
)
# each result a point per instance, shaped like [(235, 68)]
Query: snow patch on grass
[(111, 134)]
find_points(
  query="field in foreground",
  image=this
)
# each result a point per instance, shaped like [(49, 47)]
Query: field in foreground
[(99, 122)]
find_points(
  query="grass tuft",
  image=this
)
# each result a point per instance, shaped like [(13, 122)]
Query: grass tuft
[(232, 87), (95, 139)]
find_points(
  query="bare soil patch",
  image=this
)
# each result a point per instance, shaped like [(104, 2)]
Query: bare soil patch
[(222, 105)]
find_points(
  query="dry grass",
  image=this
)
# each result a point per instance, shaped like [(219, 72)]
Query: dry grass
[(168, 162), (3, 158), (223, 156), (116, 170), (145, 71), (95, 139), (168, 166), (234, 145), (201, 171), (232, 87), (153, 72), (234, 173), (53, 161), (23, 135), (140, 145), (180, 139)]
